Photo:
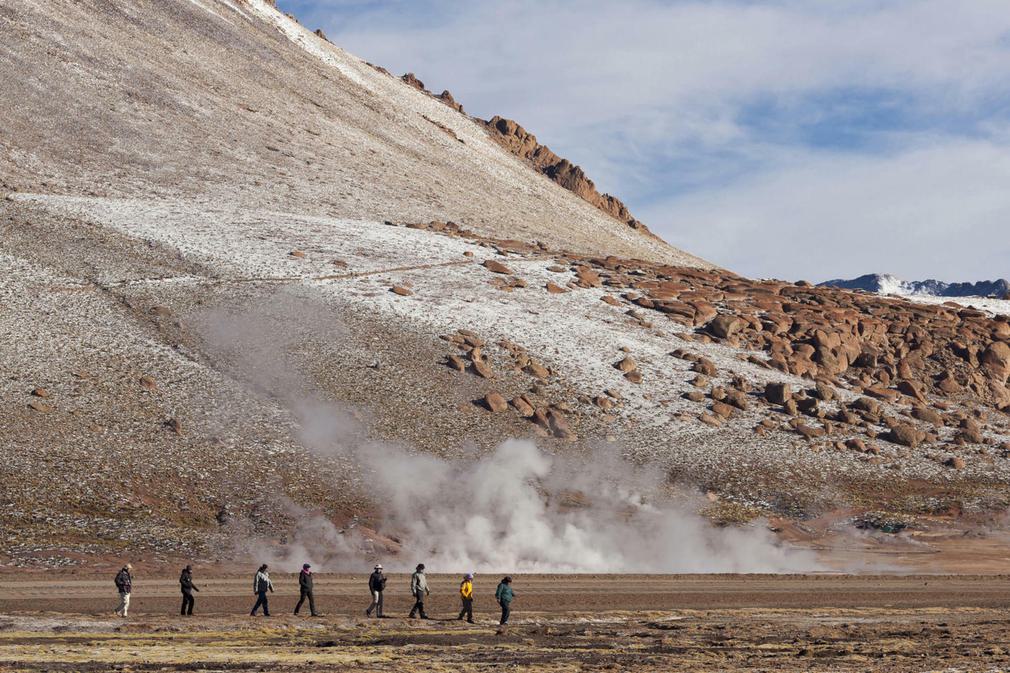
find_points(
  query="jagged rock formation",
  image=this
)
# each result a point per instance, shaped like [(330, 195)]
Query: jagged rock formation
[(522, 143), (888, 284)]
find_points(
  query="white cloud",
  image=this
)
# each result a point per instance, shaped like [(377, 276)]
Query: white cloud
[(940, 209), (652, 96)]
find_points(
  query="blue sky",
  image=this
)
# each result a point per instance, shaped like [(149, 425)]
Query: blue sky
[(789, 139)]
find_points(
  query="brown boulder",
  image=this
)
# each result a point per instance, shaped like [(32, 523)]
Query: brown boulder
[(778, 393), (495, 402), (956, 462), (927, 415), (722, 409), (710, 419), (948, 384), (482, 368), (635, 375), (865, 404), (856, 444), (905, 435), (971, 431), (559, 425), (586, 277), (603, 402), (522, 406), (996, 360), (400, 290), (495, 266), (724, 326), (705, 367), (808, 432), (554, 288), (912, 389), (40, 406), (627, 364), (147, 382), (537, 370), (455, 362), (824, 392), (737, 399)]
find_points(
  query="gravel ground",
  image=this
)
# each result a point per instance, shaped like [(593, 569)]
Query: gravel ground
[(559, 624)]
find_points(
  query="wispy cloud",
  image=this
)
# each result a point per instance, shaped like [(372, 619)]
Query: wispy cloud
[(716, 120)]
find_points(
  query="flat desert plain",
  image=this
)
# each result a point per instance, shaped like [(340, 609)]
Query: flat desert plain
[(821, 622)]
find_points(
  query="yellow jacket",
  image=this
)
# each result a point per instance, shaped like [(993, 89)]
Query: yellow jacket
[(466, 590)]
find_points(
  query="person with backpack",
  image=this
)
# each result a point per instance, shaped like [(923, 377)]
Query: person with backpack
[(305, 590), (261, 585), (187, 587), (419, 590), (466, 595), (376, 585), (124, 585), (504, 596)]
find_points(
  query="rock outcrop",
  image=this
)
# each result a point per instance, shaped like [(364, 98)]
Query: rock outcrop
[(520, 142)]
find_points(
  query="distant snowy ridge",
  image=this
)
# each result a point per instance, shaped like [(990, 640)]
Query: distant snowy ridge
[(887, 284)]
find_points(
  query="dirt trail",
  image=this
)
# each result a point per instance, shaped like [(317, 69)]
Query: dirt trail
[(561, 623)]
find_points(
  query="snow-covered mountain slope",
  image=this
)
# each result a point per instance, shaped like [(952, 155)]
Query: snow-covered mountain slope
[(888, 284), (232, 101)]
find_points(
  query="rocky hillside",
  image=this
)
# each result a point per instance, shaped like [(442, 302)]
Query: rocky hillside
[(223, 267)]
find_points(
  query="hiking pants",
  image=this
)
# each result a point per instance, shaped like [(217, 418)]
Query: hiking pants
[(376, 605), (418, 606), (187, 603), (124, 604), (506, 610), (312, 602), (261, 599), (467, 609)]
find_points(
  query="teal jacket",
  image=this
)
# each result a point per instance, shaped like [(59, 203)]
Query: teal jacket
[(504, 593)]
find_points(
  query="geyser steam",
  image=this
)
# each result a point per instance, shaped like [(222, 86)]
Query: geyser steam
[(515, 509)]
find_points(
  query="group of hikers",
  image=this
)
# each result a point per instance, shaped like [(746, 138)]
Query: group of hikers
[(376, 586)]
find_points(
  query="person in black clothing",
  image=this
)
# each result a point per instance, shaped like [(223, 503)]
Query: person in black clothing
[(124, 585), (376, 585), (305, 590), (187, 587)]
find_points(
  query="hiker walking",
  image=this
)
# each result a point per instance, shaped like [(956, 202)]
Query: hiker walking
[(504, 596), (376, 585), (187, 587), (124, 585), (466, 595), (419, 589), (261, 585), (305, 590)]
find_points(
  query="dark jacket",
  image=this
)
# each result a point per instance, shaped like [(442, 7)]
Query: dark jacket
[(186, 582), (124, 583), (376, 581), (305, 580), (262, 583), (504, 593)]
